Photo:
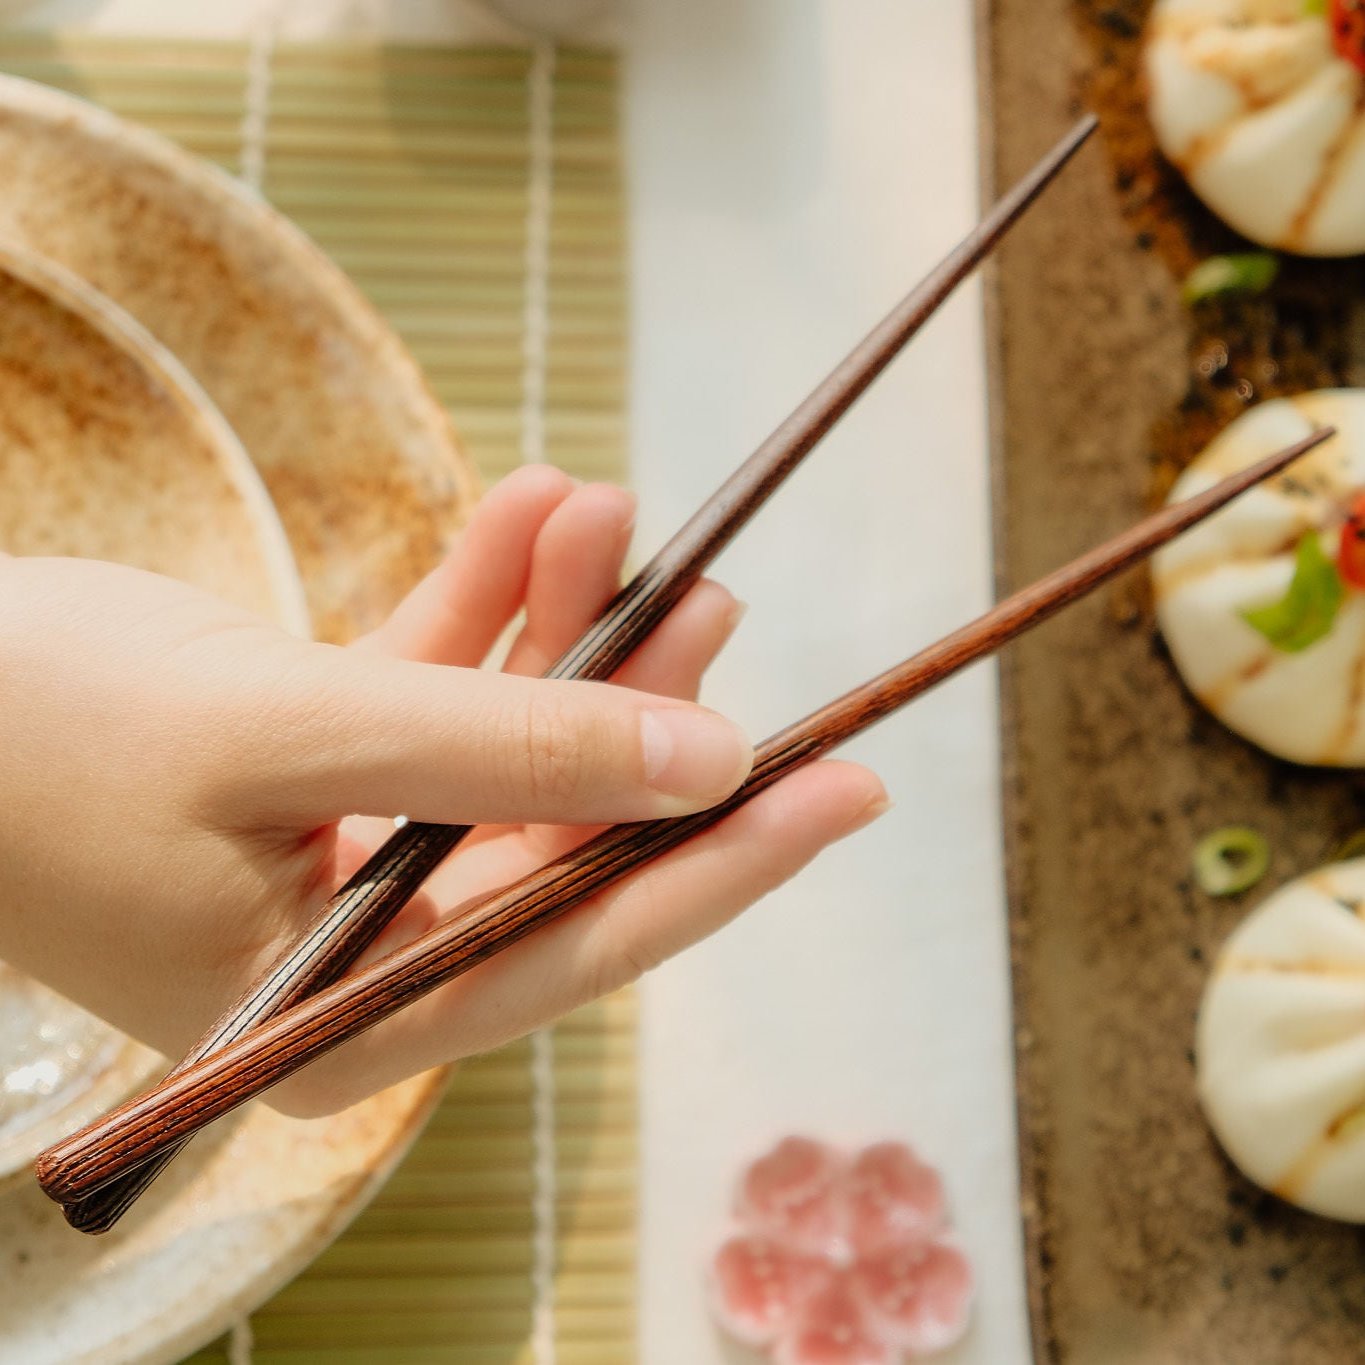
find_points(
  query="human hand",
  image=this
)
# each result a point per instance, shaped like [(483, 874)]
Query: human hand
[(179, 781)]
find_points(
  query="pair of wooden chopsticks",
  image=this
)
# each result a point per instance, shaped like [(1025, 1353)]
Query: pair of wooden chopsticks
[(354, 917), (163, 1119), (99, 1172)]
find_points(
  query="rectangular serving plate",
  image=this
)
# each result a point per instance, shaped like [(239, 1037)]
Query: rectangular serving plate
[(1143, 1243)]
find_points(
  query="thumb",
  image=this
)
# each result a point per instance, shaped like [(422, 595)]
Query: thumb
[(346, 732)]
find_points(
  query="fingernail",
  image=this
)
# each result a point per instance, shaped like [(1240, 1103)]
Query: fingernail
[(693, 754), (874, 810), (738, 611)]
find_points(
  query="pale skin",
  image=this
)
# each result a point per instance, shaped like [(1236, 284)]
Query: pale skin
[(180, 781)]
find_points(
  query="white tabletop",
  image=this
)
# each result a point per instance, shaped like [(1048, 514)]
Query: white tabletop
[(793, 169)]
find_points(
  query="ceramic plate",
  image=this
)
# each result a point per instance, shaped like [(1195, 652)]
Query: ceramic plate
[(353, 446), (370, 484)]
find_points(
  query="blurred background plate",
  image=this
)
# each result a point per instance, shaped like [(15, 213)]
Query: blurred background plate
[(370, 484), (110, 450), (359, 457)]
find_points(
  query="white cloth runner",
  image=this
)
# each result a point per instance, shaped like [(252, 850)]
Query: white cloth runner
[(794, 168)]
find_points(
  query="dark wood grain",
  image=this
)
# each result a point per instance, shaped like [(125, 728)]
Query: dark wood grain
[(165, 1117), (359, 911)]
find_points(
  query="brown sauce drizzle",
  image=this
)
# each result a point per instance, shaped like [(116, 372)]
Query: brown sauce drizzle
[(1218, 696), (1274, 966), (1332, 163), (1293, 1182), (1175, 579), (1350, 722)]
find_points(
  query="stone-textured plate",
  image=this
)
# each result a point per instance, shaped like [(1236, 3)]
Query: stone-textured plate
[(353, 446), (108, 449), (1144, 1244), (370, 484)]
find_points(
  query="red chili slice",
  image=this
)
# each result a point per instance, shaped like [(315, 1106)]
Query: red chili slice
[(1347, 18), (1351, 549)]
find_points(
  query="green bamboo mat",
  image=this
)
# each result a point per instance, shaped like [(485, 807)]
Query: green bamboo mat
[(412, 168)]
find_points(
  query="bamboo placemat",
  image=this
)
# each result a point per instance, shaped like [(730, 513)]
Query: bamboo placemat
[(475, 195)]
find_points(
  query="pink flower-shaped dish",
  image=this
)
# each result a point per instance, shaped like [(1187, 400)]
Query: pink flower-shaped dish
[(842, 1259)]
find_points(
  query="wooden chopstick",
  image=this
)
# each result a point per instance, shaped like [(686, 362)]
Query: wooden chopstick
[(356, 914), (175, 1110)]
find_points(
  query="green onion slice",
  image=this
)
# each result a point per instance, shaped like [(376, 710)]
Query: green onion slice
[(1230, 860), (1242, 272), (1306, 612)]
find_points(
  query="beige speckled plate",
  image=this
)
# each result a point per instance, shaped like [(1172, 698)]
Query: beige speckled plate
[(354, 448), (108, 449), (369, 484)]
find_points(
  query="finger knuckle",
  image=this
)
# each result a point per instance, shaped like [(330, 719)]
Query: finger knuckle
[(626, 950), (310, 1097), (557, 753), (639, 955)]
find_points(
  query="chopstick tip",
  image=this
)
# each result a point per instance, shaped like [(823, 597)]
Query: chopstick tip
[(1180, 516), (1082, 131), (1070, 143), (1273, 464), (1281, 459), (1310, 442)]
